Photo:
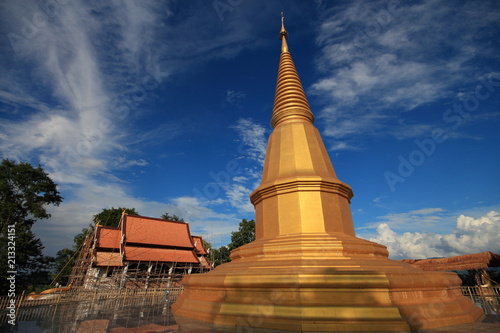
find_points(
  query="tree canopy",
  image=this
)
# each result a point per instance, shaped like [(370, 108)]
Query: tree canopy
[(220, 255), (111, 217), (172, 217), (25, 192), (244, 235), (64, 262)]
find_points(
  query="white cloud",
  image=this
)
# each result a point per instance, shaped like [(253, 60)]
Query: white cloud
[(76, 88), (218, 201), (74, 127), (87, 69), (253, 136), (240, 179), (425, 217), (469, 236), (239, 196), (235, 189), (235, 97), (252, 150), (381, 58), (124, 163), (89, 194)]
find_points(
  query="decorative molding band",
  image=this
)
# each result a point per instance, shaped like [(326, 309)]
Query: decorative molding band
[(301, 185)]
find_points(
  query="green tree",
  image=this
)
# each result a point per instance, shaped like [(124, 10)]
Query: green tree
[(220, 256), (173, 217), (25, 192), (207, 245), (111, 217), (64, 262), (244, 235)]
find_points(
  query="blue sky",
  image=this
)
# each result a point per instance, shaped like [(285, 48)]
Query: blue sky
[(165, 106)]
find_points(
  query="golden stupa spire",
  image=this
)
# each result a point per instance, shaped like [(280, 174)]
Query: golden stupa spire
[(307, 271), (297, 161), (290, 102)]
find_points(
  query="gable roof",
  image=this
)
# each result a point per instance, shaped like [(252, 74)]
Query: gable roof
[(152, 231), (147, 239), (108, 237), (198, 243)]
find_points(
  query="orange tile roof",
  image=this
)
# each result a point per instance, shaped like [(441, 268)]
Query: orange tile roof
[(147, 230), (464, 262), (134, 253), (198, 242), (108, 237), (108, 259)]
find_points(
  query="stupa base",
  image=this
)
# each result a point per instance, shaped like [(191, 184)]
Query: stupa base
[(320, 283), (198, 326)]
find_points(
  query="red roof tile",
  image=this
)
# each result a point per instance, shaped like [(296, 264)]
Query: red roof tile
[(133, 253), (464, 262), (198, 242), (146, 230), (108, 237), (108, 259)]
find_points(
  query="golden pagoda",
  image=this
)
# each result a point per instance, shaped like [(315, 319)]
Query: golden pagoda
[(307, 271)]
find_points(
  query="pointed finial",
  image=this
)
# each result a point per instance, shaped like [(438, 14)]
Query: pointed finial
[(283, 35), (283, 32)]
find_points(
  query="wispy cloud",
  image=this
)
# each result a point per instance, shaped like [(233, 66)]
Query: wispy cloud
[(72, 87), (239, 197), (253, 137), (383, 58), (124, 163), (97, 63), (422, 218), (233, 184), (253, 140), (74, 129), (235, 97)]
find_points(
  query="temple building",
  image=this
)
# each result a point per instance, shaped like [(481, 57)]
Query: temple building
[(142, 252), (307, 271)]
